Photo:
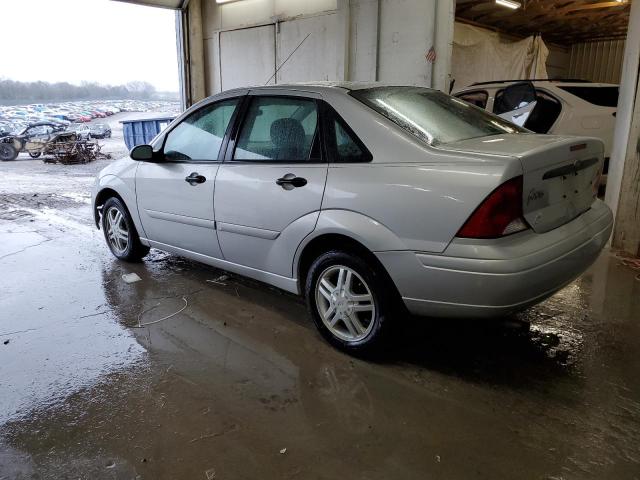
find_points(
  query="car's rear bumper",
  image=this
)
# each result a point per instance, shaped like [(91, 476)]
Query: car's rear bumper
[(480, 278)]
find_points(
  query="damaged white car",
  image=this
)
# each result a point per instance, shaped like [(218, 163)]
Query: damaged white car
[(557, 107)]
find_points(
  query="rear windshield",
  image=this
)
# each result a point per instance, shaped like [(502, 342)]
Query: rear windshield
[(601, 96), (433, 116)]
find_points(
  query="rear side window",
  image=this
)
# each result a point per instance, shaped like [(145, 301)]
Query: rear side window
[(200, 135), (478, 98), (601, 96), (342, 143), (281, 129), (347, 150)]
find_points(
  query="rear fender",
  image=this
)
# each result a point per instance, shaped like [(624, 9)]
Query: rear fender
[(370, 233), (366, 230)]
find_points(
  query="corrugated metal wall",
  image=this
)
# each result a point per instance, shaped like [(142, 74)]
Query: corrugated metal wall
[(597, 61)]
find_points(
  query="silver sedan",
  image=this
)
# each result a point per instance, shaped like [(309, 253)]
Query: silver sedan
[(369, 200)]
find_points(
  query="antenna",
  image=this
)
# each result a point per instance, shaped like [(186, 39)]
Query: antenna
[(286, 59)]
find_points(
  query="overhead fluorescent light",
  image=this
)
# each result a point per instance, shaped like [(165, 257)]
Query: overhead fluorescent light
[(225, 1), (509, 4)]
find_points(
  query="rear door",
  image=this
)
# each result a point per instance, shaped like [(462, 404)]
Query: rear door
[(175, 195), (269, 189)]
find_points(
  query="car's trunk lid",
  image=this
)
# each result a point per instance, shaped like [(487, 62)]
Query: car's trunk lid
[(559, 173)]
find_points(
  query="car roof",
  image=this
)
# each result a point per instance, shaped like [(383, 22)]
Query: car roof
[(321, 86), (42, 124), (538, 82)]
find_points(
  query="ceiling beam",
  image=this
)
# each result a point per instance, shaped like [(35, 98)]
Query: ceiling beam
[(592, 6)]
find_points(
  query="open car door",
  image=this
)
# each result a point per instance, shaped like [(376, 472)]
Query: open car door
[(516, 102)]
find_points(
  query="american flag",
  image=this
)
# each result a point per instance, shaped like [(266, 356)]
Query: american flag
[(430, 56)]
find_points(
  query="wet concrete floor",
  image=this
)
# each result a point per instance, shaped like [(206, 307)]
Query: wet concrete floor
[(240, 386)]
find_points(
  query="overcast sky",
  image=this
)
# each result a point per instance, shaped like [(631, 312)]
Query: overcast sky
[(95, 40)]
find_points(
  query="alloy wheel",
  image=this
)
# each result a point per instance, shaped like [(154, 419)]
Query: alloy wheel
[(345, 303), (117, 231)]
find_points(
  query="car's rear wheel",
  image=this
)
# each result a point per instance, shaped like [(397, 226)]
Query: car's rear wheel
[(7, 152), (35, 154), (350, 301), (120, 232)]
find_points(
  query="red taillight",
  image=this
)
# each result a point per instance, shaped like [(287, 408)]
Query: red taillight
[(500, 214)]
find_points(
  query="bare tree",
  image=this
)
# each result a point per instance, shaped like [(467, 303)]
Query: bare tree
[(12, 91)]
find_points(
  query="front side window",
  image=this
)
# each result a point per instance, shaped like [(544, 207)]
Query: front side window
[(278, 129), (200, 135), (432, 116)]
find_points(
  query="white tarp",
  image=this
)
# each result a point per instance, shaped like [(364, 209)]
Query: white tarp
[(480, 55)]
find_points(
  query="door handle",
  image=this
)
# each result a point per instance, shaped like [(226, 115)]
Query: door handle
[(195, 178), (291, 181)]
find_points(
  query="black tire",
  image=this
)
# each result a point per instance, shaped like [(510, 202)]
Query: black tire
[(35, 154), (384, 298), (8, 152), (134, 250)]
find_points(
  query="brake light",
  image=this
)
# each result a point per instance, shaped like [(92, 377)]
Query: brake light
[(499, 214)]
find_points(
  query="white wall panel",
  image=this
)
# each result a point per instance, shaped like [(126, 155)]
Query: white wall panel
[(363, 40), (321, 56), (212, 65), (246, 12), (291, 8), (406, 34), (247, 56), (254, 12)]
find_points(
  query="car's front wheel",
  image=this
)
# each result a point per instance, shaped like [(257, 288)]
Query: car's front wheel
[(120, 232), (350, 301)]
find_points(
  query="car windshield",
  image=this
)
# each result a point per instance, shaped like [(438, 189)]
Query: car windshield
[(432, 116)]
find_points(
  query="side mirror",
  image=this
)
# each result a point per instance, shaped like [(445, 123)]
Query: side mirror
[(142, 153)]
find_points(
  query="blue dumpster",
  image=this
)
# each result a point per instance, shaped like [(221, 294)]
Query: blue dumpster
[(141, 131)]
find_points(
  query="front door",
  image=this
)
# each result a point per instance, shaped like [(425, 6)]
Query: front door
[(269, 190), (175, 196)]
